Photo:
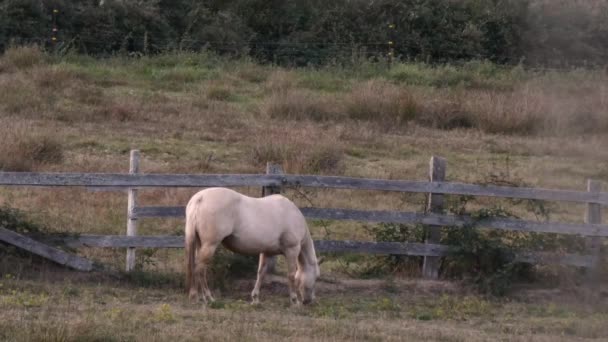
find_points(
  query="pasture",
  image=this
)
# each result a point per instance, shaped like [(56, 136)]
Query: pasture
[(198, 113)]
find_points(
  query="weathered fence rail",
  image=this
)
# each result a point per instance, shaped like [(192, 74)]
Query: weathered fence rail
[(142, 180), (274, 181), (367, 247), (52, 253), (583, 229)]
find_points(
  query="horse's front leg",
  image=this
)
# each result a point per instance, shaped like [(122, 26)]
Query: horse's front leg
[(291, 256), (262, 268)]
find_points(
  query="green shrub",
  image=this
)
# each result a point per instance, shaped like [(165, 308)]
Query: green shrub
[(16, 221), (481, 74), (484, 257), (228, 266)]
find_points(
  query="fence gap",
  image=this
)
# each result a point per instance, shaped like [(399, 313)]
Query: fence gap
[(430, 266), (131, 205)]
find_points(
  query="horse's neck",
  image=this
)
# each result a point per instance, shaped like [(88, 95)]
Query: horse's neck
[(307, 257)]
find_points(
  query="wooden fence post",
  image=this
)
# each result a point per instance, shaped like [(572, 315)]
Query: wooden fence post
[(430, 266), (272, 169), (593, 243), (131, 204)]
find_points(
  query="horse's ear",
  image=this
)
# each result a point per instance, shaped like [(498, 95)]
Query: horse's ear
[(320, 260)]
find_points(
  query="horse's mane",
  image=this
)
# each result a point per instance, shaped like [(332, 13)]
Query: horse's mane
[(308, 257)]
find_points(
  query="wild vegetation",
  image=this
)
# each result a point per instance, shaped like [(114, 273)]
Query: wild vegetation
[(312, 32), (203, 112)]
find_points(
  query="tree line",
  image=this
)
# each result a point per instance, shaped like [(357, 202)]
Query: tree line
[(304, 32)]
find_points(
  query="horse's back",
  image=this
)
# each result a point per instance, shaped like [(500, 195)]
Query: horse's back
[(274, 207), (248, 224)]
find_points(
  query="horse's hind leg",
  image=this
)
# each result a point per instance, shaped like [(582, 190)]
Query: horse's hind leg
[(204, 257), (262, 268), (291, 256)]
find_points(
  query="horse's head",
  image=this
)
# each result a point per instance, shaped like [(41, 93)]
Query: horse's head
[(306, 279)]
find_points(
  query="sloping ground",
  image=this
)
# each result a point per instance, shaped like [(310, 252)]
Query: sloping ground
[(197, 113)]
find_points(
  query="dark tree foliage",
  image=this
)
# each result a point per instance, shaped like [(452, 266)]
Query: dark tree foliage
[(304, 32)]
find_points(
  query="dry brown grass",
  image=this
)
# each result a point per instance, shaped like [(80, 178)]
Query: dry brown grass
[(381, 102), (253, 73), (508, 113), (22, 57), (48, 305), (544, 106), (299, 105), (219, 93), (27, 149), (300, 149), (281, 80)]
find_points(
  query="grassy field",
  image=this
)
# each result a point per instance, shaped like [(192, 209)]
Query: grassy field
[(199, 113), (56, 305)]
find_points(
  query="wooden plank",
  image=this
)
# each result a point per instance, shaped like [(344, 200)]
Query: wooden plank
[(593, 215), (119, 241), (235, 180), (157, 211), (582, 229), (45, 251), (99, 180), (272, 169), (131, 204), (106, 189), (451, 220), (431, 264), (554, 258), (322, 246), (387, 248)]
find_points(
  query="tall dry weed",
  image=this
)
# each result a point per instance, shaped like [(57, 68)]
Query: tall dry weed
[(518, 112), (299, 104), (543, 106), (442, 108), (20, 95), (381, 102), (27, 149), (564, 104), (22, 57), (302, 149), (281, 80)]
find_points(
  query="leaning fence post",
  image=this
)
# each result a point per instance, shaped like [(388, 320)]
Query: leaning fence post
[(593, 215), (131, 204), (430, 266), (272, 169)]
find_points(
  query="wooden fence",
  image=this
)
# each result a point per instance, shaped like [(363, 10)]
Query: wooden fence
[(274, 180)]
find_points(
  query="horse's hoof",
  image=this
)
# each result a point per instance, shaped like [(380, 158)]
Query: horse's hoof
[(295, 303)]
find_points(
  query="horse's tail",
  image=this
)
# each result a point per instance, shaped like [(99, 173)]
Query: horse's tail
[(190, 244)]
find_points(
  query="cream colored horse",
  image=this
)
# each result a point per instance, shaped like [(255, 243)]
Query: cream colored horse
[(266, 226)]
